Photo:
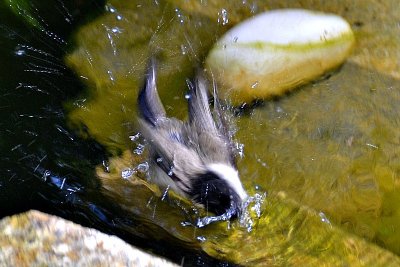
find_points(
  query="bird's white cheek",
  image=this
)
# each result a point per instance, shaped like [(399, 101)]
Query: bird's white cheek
[(231, 176)]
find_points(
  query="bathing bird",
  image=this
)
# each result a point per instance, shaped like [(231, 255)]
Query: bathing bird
[(194, 158)]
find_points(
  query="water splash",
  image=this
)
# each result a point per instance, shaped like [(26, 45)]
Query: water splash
[(223, 17), (46, 175), (20, 52), (134, 137), (171, 171), (201, 238), (139, 149), (106, 166), (324, 219), (239, 147), (143, 167), (111, 75), (180, 16), (204, 221), (184, 49), (116, 30), (110, 8), (251, 210), (164, 195), (253, 205), (127, 173), (255, 85)]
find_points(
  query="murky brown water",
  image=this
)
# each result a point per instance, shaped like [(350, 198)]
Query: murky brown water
[(325, 154)]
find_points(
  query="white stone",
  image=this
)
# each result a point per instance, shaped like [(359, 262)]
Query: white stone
[(276, 51)]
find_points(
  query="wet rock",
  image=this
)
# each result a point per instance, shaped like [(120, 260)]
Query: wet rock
[(38, 239), (276, 51)]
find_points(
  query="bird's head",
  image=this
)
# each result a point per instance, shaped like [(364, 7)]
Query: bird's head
[(219, 190)]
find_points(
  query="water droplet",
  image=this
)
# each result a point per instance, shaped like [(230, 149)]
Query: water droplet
[(134, 137), (184, 49), (171, 171), (45, 175), (184, 224), (254, 85), (223, 17), (235, 39), (324, 219), (110, 75), (187, 96), (139, 149), (63, 182), (127, 173), (143, 167), (165, 193), (116, 30), (372, 145), (20, 52), (106, 166), (80, 103), (179, 15), (159, 160), (262, 163), (119, 17), (110, 8), (240, 149), (201, 238)]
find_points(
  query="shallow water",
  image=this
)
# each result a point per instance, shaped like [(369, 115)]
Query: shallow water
[(45, 164), (323, 158)]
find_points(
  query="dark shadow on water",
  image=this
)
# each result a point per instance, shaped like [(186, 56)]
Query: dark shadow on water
[(44, 165)]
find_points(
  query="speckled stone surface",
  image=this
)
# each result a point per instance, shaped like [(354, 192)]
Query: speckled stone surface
[(38, 239)]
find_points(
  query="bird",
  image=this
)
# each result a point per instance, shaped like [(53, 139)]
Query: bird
[(194, 158)]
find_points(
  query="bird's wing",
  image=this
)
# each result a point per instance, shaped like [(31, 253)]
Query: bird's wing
[(214, 139), (149, 102), (220, 116), (199, 110), (215, 149), (170, 152)]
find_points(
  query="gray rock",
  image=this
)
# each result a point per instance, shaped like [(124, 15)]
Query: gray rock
[(38, 239)]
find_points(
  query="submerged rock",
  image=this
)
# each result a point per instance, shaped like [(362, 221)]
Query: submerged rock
[(290, 233), (278, 50), (38, 239), (330, 146)]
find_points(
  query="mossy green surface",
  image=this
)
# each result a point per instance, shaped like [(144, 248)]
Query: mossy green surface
[(332, 146), (301, 47)]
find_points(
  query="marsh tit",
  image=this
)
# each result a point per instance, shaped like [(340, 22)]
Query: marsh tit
[(193, 158)]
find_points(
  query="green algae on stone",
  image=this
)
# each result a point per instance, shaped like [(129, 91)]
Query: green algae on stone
[(276, 51), (331, 146), (289, 234), (375, 24), (286, 233)]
